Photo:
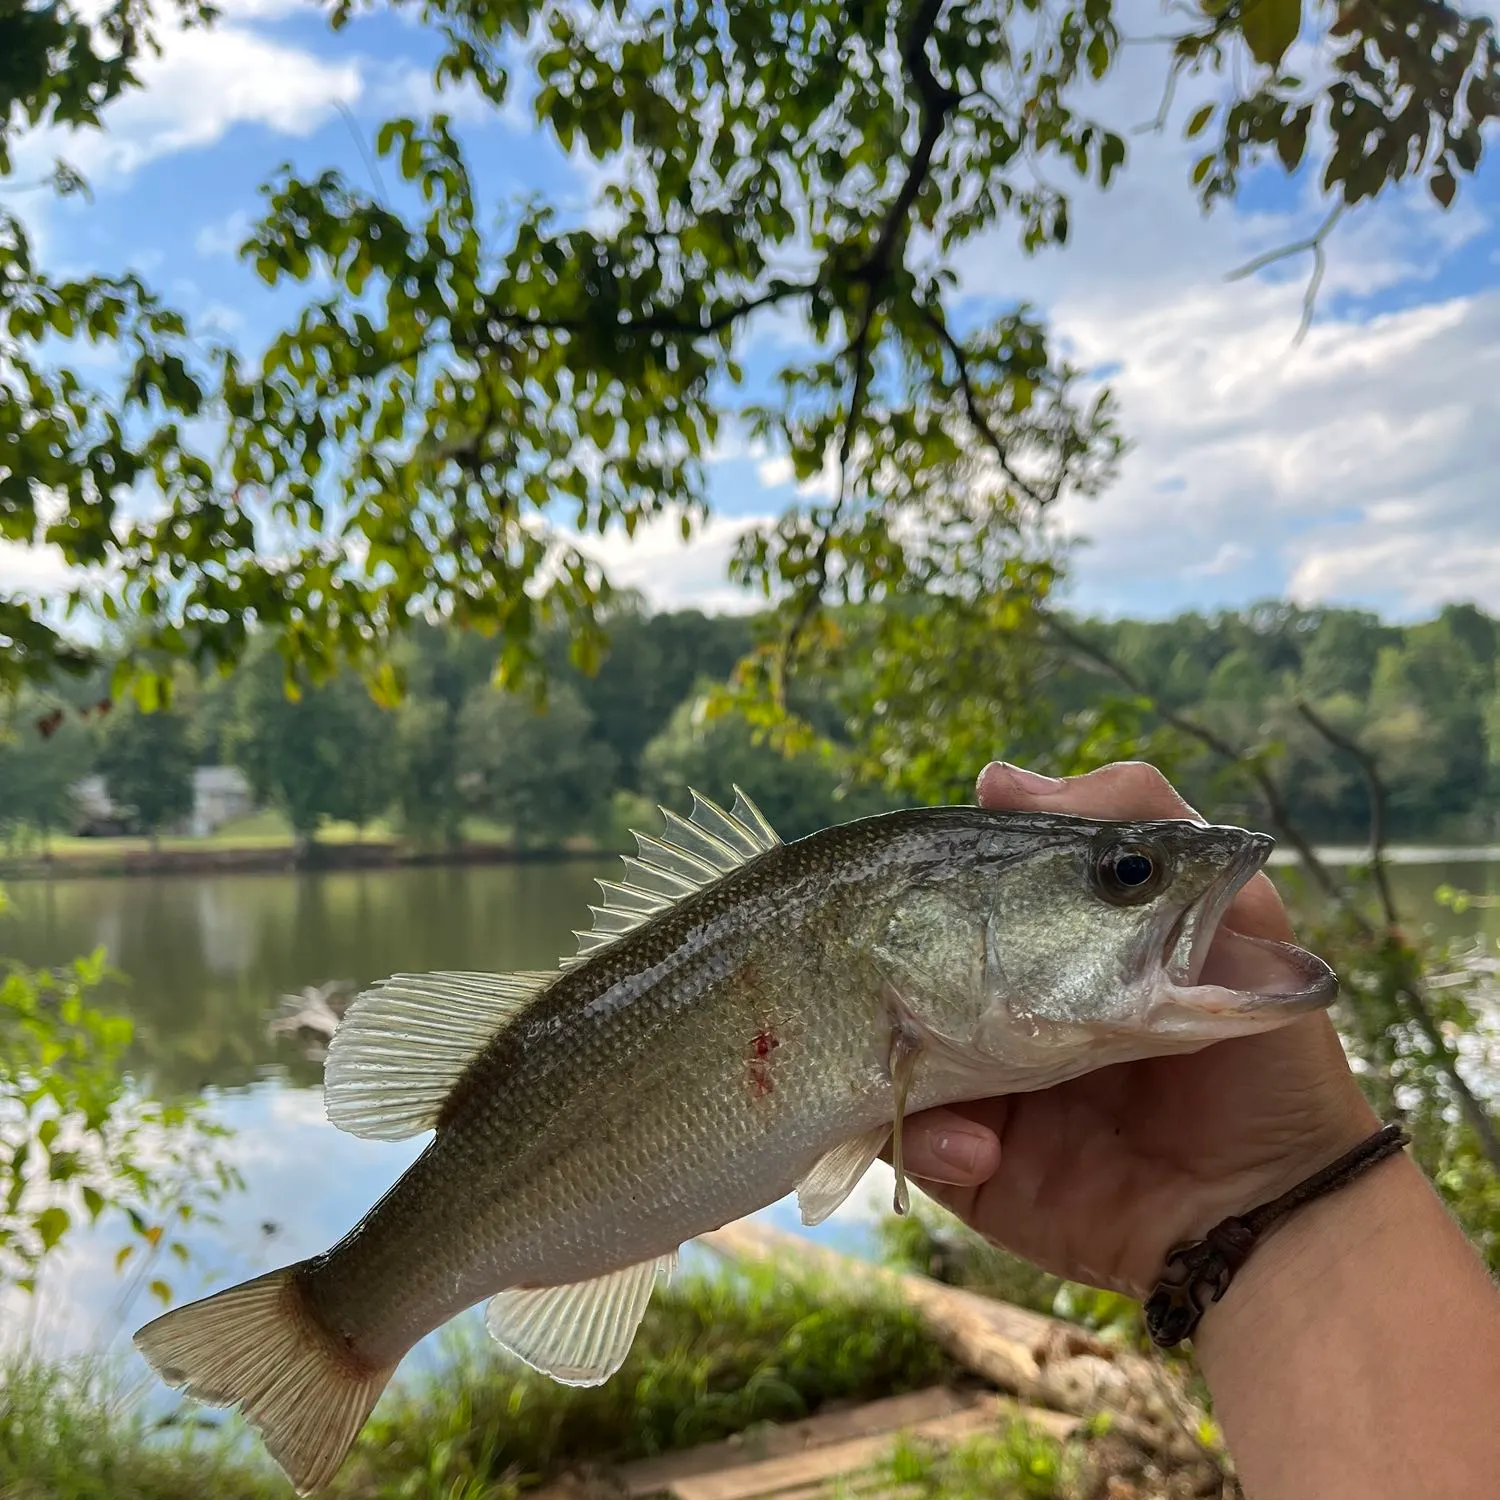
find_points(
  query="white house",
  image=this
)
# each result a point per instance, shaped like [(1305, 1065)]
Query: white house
[(220, 795)]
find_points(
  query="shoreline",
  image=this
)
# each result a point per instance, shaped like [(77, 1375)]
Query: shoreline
[(276, 859), (387, 854)]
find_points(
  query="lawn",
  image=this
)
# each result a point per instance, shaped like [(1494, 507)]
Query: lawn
[(266, 829)]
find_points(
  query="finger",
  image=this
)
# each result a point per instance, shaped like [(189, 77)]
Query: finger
[(940, 1145), (1126, 789)]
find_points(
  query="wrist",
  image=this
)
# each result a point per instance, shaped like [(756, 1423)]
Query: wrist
[(1279, 1294)]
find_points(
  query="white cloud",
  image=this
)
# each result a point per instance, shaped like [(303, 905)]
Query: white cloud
[(777, 471), (203, 84), (1229, 557), (673, 574), (399, 89), (223, 236), (1356, 466)]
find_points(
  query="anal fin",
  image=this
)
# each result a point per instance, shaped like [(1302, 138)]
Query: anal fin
[(579, 1334), (837, 1173)]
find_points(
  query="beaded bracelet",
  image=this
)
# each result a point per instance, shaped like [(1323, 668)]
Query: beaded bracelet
[(1207, 1266)]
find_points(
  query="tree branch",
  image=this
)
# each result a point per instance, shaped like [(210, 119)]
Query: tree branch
[(935, 102), (977, 417), (1410, 990), (669, 321), (1267, 784), (1375, 790), (1316, 244)]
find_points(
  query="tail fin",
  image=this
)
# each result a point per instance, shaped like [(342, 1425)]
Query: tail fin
[(260, 1347)]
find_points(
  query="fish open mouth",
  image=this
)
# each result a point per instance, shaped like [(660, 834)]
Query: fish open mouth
[(1213, 976)]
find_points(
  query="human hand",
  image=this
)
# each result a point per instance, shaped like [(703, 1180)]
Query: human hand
[(1096, 1179)]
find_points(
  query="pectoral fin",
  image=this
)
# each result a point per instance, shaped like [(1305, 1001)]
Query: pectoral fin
[(835, 1175)]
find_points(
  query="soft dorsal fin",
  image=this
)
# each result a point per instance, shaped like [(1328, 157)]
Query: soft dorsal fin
[(403, 1044), (691, 853)]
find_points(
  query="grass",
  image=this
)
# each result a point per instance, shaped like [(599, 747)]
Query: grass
[(68, 1432), (716, 1355), (258, 832), (260, 835), (937, 1244), (1017, 1463)]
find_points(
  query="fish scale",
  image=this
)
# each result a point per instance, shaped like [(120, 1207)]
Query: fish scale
[(745, 1018)]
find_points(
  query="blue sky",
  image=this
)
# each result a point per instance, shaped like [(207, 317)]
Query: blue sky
[(1358, 467)]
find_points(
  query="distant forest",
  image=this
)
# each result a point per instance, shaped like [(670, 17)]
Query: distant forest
[(1423, 698)]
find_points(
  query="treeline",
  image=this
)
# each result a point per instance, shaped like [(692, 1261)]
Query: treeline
[(1423, 698), (454, 748)]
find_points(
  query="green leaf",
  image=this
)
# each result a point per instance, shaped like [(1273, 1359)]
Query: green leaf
[(1200, 119), (1270, 27), (51, 1224)]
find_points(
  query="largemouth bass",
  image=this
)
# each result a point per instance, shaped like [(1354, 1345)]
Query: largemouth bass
[(745, 1018)]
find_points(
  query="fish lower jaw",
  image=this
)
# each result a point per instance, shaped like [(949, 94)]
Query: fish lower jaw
[(1243, 985)]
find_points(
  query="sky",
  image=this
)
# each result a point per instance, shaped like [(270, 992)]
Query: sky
[(1357, 467)]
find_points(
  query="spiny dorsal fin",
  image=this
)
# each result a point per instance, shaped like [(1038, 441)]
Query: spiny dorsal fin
[(403, 1044), (691, 853)]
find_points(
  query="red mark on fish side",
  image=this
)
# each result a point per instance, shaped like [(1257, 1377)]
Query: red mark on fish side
[(762, 1045)]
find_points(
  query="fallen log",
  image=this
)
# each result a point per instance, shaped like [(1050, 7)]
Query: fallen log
[(1041, 1361), (796, 1460)]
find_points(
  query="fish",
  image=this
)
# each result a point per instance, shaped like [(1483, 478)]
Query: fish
[(745, 1018)]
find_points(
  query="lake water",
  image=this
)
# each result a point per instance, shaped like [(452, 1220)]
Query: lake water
[(206, 959)]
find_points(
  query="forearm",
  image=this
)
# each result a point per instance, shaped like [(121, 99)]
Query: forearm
[(1356, 1356)]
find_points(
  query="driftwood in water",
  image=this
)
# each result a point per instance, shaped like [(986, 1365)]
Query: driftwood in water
[(1043, 1362)]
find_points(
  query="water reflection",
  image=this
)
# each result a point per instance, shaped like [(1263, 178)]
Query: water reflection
[(207, 958)]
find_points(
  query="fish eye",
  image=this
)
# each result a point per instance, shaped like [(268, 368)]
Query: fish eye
[(1126, 874)]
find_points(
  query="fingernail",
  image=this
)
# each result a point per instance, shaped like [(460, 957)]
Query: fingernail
[(958, 1149), (1023, 780)]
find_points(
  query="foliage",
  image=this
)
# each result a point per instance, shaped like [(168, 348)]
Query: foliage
[(441, 669), (70, 1432), (895, 710), (654, 663), (714, 752), (1017, 1463), (457, 405), (147, 763), (70, 455), (714, 1356), (318, 755), (935, 1243), (76, 1143), (37, 770), (537, 770)]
